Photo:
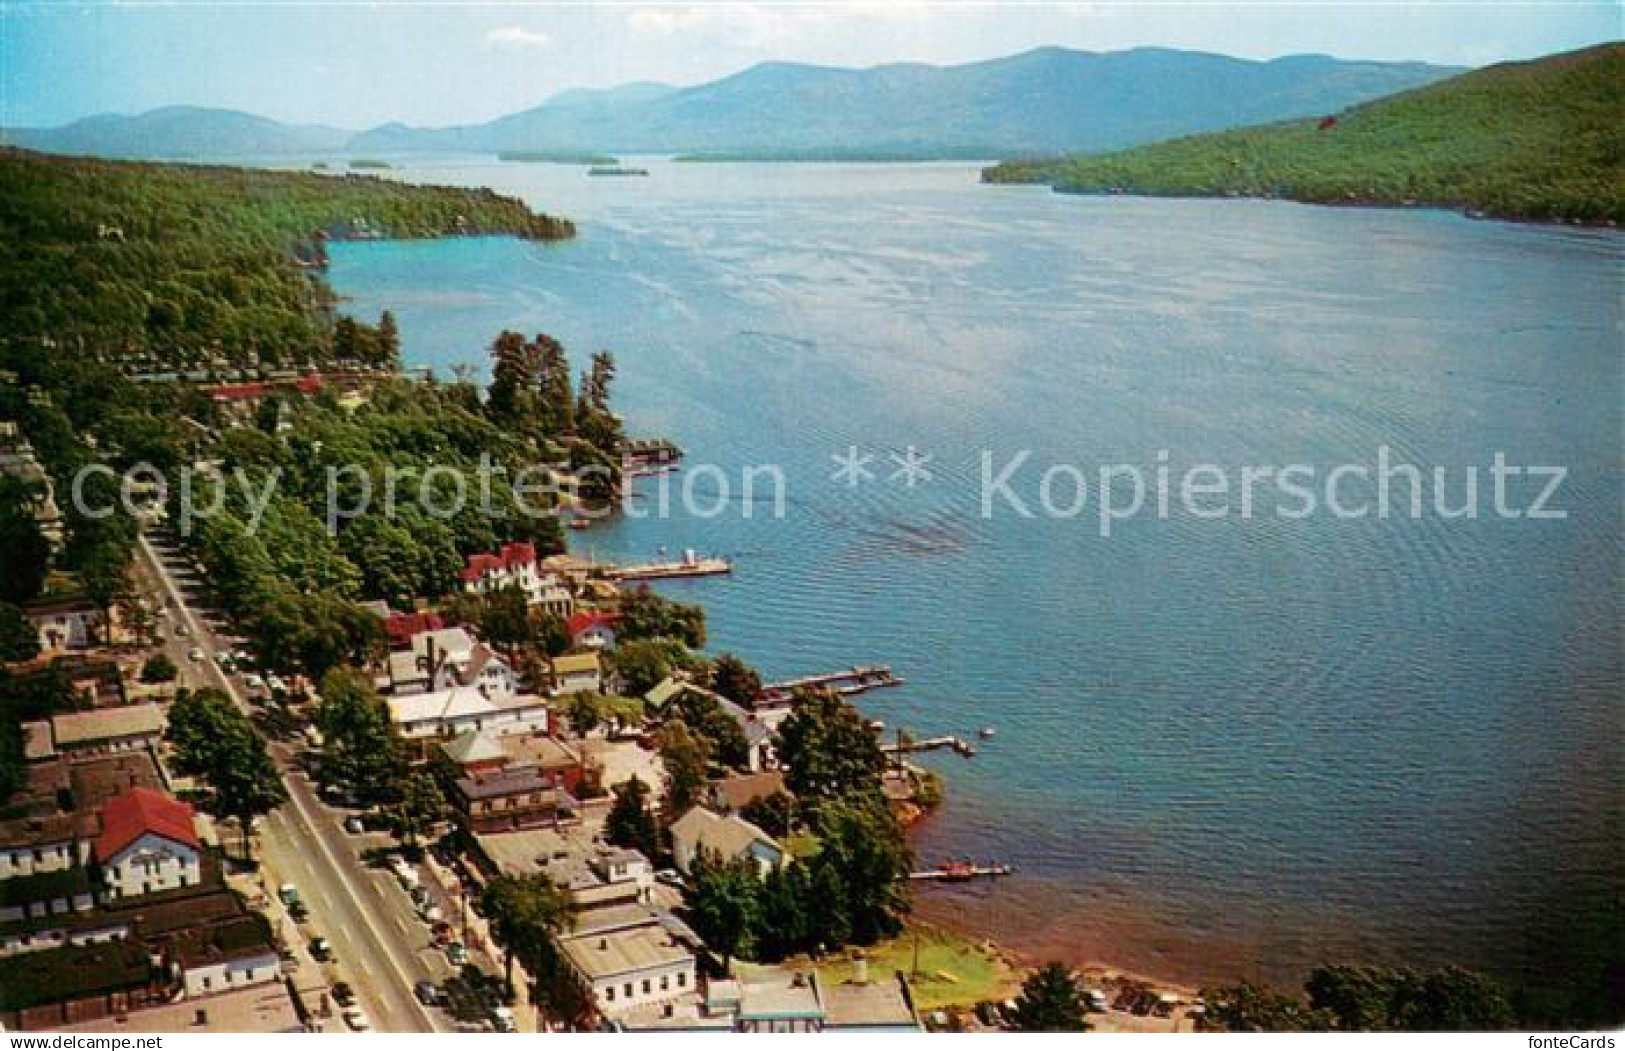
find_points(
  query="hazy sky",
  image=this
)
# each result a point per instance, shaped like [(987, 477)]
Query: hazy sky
[(357, 64)]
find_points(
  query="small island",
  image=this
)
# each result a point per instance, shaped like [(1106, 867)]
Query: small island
[(576, 157)]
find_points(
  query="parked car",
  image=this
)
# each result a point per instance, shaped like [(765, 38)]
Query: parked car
[(427, 993), (321, 950), (354, 826), (343, 995), (194, 654), (433, 914), (502, 1018), (288, 893), (181, 628), (440, 931), (357, 1020), (457, 954), (406, 872)]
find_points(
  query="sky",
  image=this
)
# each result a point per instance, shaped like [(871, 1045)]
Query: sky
[(360, 63)]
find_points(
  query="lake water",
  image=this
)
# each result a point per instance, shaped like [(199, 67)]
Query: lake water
[(1224, 747)]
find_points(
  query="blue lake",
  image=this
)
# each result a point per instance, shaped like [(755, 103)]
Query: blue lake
[(1224, 746)]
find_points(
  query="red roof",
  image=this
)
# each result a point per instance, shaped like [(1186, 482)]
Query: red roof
[(400, 627), (580, 622), (139, 811), (512, 556)]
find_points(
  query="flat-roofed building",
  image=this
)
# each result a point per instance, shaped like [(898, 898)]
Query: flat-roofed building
[(632, 967), (103, 731)]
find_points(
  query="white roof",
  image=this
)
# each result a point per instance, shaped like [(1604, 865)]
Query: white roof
[(454, 643), (456, 703)]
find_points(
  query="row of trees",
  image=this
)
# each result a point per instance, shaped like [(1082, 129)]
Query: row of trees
[(1366, 1000), (214, 741)]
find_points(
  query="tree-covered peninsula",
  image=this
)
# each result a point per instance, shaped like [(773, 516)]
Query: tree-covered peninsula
[(158, 267), (1539, 140)]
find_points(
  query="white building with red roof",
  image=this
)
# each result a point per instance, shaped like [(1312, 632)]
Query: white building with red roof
[(515, 566), (147, 844), (592, 628)]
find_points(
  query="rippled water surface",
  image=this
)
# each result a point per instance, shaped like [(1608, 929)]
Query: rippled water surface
[(1223, 747)]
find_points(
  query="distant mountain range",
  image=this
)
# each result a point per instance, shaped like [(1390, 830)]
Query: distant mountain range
[(1038, 102)]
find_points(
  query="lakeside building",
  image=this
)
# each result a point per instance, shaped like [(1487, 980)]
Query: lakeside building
[(773, 999), (577, 673), (737, 791), (592, 629), (759, 731), (515, 566), (727, 835)]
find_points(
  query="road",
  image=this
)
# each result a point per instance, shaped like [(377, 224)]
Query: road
[(381, 946)]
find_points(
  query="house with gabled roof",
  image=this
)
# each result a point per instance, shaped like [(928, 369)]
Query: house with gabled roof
[(728, 836), (147, 844)]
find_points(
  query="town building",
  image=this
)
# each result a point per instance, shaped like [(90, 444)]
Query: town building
[(423, 718), (65, 623), (515, 566), (736, 792), (147, 844), (729, 836), (627, 967), (577, 673), (107, 731), (595, 875), (591, 629), (448, 657)]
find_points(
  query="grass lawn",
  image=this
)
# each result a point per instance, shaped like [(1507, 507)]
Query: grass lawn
[(953, 971)]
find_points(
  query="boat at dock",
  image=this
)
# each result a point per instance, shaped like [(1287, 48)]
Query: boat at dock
[(962, 872)]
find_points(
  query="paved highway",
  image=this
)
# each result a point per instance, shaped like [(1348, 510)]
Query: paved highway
[(382, 948)]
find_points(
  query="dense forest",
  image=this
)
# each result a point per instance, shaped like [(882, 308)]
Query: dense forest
[(174, 267), (1539, 140)]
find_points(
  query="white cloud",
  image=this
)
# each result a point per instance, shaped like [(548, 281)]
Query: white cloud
[(764, 25), (517, 37)]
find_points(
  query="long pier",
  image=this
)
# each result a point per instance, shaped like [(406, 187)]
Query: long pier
[(962, 872), (690, 565), (931, 744), (854, 680)]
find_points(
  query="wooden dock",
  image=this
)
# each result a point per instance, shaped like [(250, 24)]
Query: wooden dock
[(854, 680), (931, 744), (690, 565), (962, 872)]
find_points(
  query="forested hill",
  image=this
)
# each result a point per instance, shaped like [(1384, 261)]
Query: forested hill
[(1540, 140), (180, 267)]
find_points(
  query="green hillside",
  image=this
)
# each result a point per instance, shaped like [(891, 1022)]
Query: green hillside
[(1541, 140), (170, 266)]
